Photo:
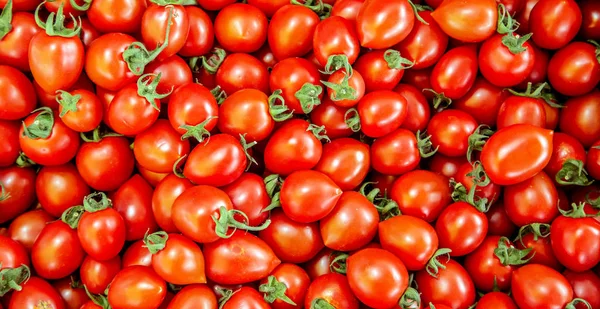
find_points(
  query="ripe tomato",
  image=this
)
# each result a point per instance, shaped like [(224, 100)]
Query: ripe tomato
[(154, 24), (397, 153), (336, 36), (330, 290), (565, 147), (133, 200), (346, 161), (576, 118), (522, 109), (176, 258), (447, 166), (101, 229), (241, 28), (287, 284), (461, 227), (163, 198), (532, 145), (450, 131), (589, 27), (298, 81), (455, 73), (308, 196), (482, 102), (14, 43), (60, 187), (539, 286), (104, 63), (174, 73), (332, 117), (27, 227), (13, 253), (345, 90), (159, 147), (192, 109), (71, 292), (245, 297), (506, 60), (535, 236), (137, 254), (381, 112), (17, 191), (586, 285), (574, 69), (490, 192), (249, 195), (126, 20), (80, 110), (97, 275), (418, 113), (411, 239), (467, 21), (269, 7), (246, 112), (496, 300), (18, 95), (394, 18), (201, 35), (554, 23), (593, 161), (9, 151), (452, 287), (194, 296), (381, 69), (291, 31), (377, 277), (242, 258), (422, 194), (347, 9), (36, 293), (57, 251), (425, 44), (532, 201), (242, 71), (136, 287)]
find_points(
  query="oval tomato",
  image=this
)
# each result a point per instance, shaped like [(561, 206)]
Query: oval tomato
[(381, 112), (554, 23), (14, 45), (36, 293), (422, 194), (467, 21), (450, 131), (241, 28), (97, 275), (411, 239), (335, 36), (17, 191), (163, 197), (242, 71), (461, 227), (574, 69), (540, 286), (533, 200), (506, 60), (425, 44), (452, 287), (330, 290), (136, 287), (455, 73), (576, 118), (346, 161), (394, 18), (246, 112), (133, 201), (291, 31), (176, 258), (57, 251), (194, 296), (27, 227), (154, 24), (60, 187)]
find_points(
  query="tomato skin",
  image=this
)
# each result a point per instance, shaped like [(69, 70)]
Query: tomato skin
[(589, 26), (501, 66), (18, 95), (248, 194), (395, 153), (107, 164), (26, 227), (125, 20), (137, 254), (446, 166), (304, 207), (466, 21), (346, 161), (491, 192), (241, 28), (347, 9), (516, 141), (10, 148), (394, 18), (296, 281), (368, 268), (247, 298), (461, 228), (333, 288), (425, 44), (163, 197), (445, 77), (154, 27), (180, 262), (289, 76), (269, 7), (158, 147), (381, 112), (246, 112), (102, 233), (541, 250), (450, 130), (521, 110), (574, 69), (13, 253), (422, 194), (73, 296), (291, 30), (175, 73), (586, 285), (194, 296), (136, 287), (576, 118), (320, 264), (21, 5), (376, 72), (133, 200), (575, 242), (335, 36), (482, 102), (486, 269), (192, 104), (532, 201), (35, 293), (539, 286), (104, 63), (88, 113), (201, 36), (397, 236), (97, 275), (242, 71), (564, 147), (60, 187), (332, 117), (554, 23), (242, 258), (57, 251), (496, 300), (418, 112), (453, 287), (130, 114), (593, 161), (214, 5), (14, 45), (20, 184)]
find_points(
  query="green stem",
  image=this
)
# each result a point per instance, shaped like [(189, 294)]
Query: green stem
[(434, 265), (147, 85), (277, 108), (67, 101), (72, 215), (155, 242), (6, 19), (199, 131), (96, 201), (42, 125), (226, 220), (275, 290)]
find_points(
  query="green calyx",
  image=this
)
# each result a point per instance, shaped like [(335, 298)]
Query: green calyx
[(97, 299), (338, 62), (177, 169), (277, 108), (210, 64), (338, 262), (319, 132), (225, 295), (440, 100), (371, 195), (387, 208), (97, 135), (24, 161), (573, 173), (82, 8), (96, 201), (147, 85), (539, 230), (67, 101), (137, 55), (219, 94), (419, 8), (577, 211), (308, 96), (199, 131), (273, 185), (4, 195), (320, 303), (509, 255), (395, 61), (72, 215), (11, 279), (155, 242), (425, 145), (573, 304), (410, 299), (226, 220), (6, 19), (55, 24), (167, 2), (275, 290), (434, 265), (246, 146), (595, 45), (341, 91), (319, 6), (352, 119), (478, 139), (506, 23), (42, 125), (515, 43)]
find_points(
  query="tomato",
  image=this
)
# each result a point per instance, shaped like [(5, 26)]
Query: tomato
[(467, 21), (159, 147), (532, 145), (450, 130), (496, 300), (593, 161), (80, 110), (446, 166), (57, 251), (490, 192), (17, 191), (418, 112), (345, 90), (101, 229), (15, 42), (298, 81), (192, 109), (554, 23), (246, 112), (532, 201), (347, 9), (537, 239), (522, 109), (482, 101), (21, 5), (245, 297), (201, 35), (18, 95), (36, 293), (26, 227), (394, 18), (506, 60), (335, 36), (291, 30), (331, 289), (540, 67), (285, 287), (97, 275), (136, 287), (346, 161), (137, 254), (411, 239), (194, 296), (565, 147), (586, 285), (174, 73), (242, 71), (368, 269), (104, 63), (452, 286), (425, 44), (13, 253), (241, 28), (127, 19), (381, 112), (576, 118), (461, 228), (133, 201), (574, 240), (60, 187), (539, 286), (455, 73), (176, 258), (332, 117), (105, 164), (308, 196), (422, 194), (154, 24), (9, 151), (589, 25), (381, 69), (242, 258), (574, 69), (294, 146), (163, 198), (396, 153), (214, 5), (71, 292)]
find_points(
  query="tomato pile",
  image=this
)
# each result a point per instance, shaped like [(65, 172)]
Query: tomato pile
[(317, 154)]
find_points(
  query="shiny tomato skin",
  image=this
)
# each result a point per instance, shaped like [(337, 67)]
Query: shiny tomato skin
[(74, 296), (246, 297), (482, 101), (296, 281), (376, 72), (214, 5), (60, 187), (191, 105), (320, 264), (445, 77), (532, 201), (14, 45), (291, 241), (486, 269), (27, 227), (453, 286), (13, 253), (291, 31), (246, 112), (491, 192), (20, 184), (418, 112), (18, 95), (575, 242), (450, 130), (425, 44), (346, 161), (249, 195), (496, 300), (541, 250), (381, 112), (554, 23), (501, 66), (163, 197), (395, 153), (241, 28), (289, 76), (97, 275), (105, 165), (154, 25), (130, 114), (241, 71), (102, 233), (9, 151), (394, 18), (586, 285), (334, 289), (335, 36), (516, 141), (461, 228), (180, 262), (539, 286), (521, 110), (422, 194), (57, 251), (269, 7), (104, 62), (201, 36), (411, 239), (466, 21), (347, 9), (332, 117), (242, 258), (36, 293), (136, 287), (574, 69), (564, 147), (194, 296), (87, 114), (158, 147), (126, 20), (137, 254), (589, 26), (133, 200), (175, 73), (576, 118), (446, 166), (593, 161)]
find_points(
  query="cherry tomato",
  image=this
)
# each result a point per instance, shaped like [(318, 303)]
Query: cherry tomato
[(336, 36), (296, 282), (180, 260), (532, 201), (241, 28), (381, 112), (17, 191), (194, 296), (154, 24), (14, 44), (246, 112), (445, 77), (422, 194), (394, 18), (97, 275), (308, 196), (380, 69), (133, 201), (576, 118), (27, 227), (13, 253), (575, 242), (452, 286), (330, 290), (57, 251), (518, 109), (73, 295), (201, 35), (554, 23), (60, 187), (539, 286), (506, 60), (450, 131), (467, 21), (165, 194), (346, 161), (461, 228), (425, 44), (192, 105), (496, 300), (136, 287), (36, 293), (291, 31), (418, 112), (332, 117), (245, 297), (242, 71), (586, 285), (127, 19)]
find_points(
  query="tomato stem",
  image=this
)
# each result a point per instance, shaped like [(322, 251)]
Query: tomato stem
[(515, 43), (147, 85), (537, 229), (410, 299), (6, 19), (210, 64), (478, 139), (219, 94), (573, 173), (577, 211), (395, 61), (341, 91), (4, 195), (352, 119), (506, 24), (155, 242), (509, 255), (99, 300), (24, 161), (82, 8), (67, 101), (226, 220), (338, 262), (72, 215), (319, 132), (425, 145), (199, 131), (42, 125), (337, 62), (246, 146), (416, 10), (176, 165), (574, 302), (440, 101), (308, 96), (434, 265), (372, 195), (279, 111), (96, 201), (320, 303), (55, 24), (225, 296), (12, 278), (275, 290)]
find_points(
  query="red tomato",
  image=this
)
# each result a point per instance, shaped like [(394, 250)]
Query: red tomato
[(154, 24), (241, 28), (343, 90), (518, 109), (346, 161), (242, 71), (246, 112), (576, 118), (593, 161), (461, 228), (14, 43), (9, 151), (137, 254), (447, 166), (397, 153), (291, 31), (335, 36), (450, 131), (533, 200), (101, 229), (347, 9), (214, 5), (192, 109), (411, 239), (467, 21), (506, 60), (249, 195), (175, 73), (452, 286), (133, 200), (332, 117), (36, 293), (531, 145), (17, 192), (287, 284), (330, 290), (104, 63), (490, 192), (540, 67), (586, 285), (80, 110), (136, 287), (425, 44), (129, 112), (13, 253), (27, 227), (575, 240), (176, 258), (539, 242), (165, 194), (298, 81), (554, 23), (455, 73), (381, 112), (159, 147), (394, 18), (496, 300), (482, 101), (418, 112), (201, 35), (71, 292), (589, 26), (127, 19), (574, 69), (194, 296), (308, 196), (566, 147), (97, 275), (539, 286), (422, 194), (245, 297), (57, 251), (59, 188), (381, 69)]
